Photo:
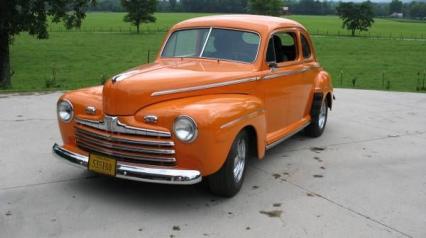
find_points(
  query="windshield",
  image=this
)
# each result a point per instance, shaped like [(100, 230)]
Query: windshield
[(213, 43)]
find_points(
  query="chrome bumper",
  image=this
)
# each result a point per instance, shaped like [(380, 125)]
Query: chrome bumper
[(129, 171)]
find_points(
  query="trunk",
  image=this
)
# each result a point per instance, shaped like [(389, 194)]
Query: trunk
[(4, 62), (137, 27), (353, 32)]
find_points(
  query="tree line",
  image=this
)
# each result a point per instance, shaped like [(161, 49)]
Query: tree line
[(414, 9)]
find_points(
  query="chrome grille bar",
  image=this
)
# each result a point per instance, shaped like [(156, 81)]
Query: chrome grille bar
[(113, 124), (133, 141), (122, 147)]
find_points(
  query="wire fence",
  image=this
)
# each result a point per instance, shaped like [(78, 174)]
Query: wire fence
[(314, 32)]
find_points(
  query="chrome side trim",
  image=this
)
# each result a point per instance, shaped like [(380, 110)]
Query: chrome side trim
[(132, 171), (285, 73), (246, 116), (113, 124), (206, 86), (273, 144)]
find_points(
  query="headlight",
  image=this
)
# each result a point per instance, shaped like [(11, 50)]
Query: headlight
[(65, 110), (185, 129)]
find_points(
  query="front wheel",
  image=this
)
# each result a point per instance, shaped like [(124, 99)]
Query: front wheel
[(319, 120), (229, 179)]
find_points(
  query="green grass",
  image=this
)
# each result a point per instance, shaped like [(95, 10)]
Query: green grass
[(79, 59)]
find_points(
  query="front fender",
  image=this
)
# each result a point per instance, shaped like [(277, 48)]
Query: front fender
[(219, 118)]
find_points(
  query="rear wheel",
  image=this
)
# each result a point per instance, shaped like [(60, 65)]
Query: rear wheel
[(229, 179), (319, 120)]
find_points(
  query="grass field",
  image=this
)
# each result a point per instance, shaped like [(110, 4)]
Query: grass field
[(105, 47)]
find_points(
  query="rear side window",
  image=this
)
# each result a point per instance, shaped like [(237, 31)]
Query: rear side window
[(305, 47), (282, 47)]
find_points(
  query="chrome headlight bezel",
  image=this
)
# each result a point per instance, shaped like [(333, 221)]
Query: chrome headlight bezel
[(64, 107), (177, 125)]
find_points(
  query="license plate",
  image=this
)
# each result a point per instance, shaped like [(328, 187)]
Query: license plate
[(102, 164)]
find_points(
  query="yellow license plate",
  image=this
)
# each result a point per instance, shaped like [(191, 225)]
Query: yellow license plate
[(102, 164)]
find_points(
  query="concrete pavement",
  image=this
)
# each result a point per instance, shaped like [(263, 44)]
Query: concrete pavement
[(365, 177)]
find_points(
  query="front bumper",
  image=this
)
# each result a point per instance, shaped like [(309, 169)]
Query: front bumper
[(130, 171)]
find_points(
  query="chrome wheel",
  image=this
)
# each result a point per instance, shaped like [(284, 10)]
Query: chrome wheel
[(322, 116), (240, 160)]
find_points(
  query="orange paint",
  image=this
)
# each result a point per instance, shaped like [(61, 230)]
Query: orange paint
[(222, 97)]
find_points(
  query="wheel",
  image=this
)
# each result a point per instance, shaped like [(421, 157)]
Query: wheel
[(319, 120), (229, 179)]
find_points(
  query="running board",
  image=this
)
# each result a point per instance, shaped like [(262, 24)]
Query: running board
[(273, 144)]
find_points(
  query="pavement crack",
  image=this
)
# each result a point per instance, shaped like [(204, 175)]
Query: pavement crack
[(24, 120), (351, 210), (416, 133), (47, 183)]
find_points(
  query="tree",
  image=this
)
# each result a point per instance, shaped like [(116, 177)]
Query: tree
[(32, 16), (265, 7), (356, 16), (172, 4), (139, 11), (395, 6)]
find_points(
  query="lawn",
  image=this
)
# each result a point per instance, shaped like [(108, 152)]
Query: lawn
[(105, 47)]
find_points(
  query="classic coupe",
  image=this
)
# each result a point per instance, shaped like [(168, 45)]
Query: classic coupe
[(223, 89)]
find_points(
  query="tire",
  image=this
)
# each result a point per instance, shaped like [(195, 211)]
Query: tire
[(319, 120), (229, 179)]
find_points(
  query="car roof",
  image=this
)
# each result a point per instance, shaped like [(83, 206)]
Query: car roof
[(256, 23)]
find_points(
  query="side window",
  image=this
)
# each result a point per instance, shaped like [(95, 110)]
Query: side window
[(284, 47), (305, 47), (270, 53)]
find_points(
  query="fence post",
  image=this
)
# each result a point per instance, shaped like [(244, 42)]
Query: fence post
[(147, 57), (383, 79)]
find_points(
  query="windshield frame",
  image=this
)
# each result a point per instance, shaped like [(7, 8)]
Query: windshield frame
[(205, 43)]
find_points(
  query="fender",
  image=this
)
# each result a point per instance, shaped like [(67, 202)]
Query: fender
[(323, 86), (219, 119)]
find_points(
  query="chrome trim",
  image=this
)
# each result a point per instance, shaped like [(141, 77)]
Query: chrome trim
[(285, 73), (117, 139), (131, 171), (74, 159), (273, 144), (195, 125), (206, 86), (150, 118), (205, 42), (124, 155), (91, 110), (109, 145), (113, 124), (113, 153), (243, 117)]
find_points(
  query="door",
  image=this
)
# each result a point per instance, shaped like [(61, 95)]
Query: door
[(311, 69), (282, 82)]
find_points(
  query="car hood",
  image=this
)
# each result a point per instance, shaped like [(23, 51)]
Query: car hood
[(132, 90)]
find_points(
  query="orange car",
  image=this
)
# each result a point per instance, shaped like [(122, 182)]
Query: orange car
[(222, 89)]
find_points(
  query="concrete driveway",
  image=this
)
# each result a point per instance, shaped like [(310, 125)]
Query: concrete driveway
[(365, 177)]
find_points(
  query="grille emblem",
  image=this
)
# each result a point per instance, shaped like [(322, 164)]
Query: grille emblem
[(110, 123)]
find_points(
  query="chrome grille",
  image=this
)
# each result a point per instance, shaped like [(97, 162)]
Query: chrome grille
[(113, 138)]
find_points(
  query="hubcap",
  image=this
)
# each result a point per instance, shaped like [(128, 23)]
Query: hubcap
[(240, 160), (322, 116)]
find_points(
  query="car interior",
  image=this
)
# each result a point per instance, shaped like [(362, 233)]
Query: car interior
[(282, 47)]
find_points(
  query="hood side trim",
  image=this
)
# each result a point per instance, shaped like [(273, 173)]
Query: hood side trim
[(206, 86)]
